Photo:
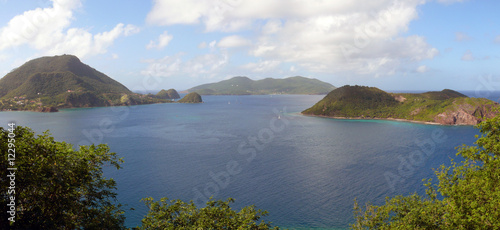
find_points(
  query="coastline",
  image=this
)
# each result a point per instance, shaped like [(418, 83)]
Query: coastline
[(382, 119), (58, 109)]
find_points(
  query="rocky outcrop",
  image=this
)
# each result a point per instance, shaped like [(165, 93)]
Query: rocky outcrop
[(47, 109), (466, 115), (191, 98), (400, 98)]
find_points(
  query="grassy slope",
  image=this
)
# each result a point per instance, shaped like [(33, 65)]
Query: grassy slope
[(359, 101), (63, 81)]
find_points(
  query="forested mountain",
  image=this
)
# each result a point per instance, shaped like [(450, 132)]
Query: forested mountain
[(247, 86)]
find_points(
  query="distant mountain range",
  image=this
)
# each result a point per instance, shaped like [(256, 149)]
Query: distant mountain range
[(247, 86), (446, 107), (49, 83)]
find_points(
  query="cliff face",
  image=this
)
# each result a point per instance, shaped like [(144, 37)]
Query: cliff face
[(466, 115)]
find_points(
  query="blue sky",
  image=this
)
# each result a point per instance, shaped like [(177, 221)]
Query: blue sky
[(150, 45)]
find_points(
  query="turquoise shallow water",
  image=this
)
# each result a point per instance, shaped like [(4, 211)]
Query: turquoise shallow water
[(306, 171)]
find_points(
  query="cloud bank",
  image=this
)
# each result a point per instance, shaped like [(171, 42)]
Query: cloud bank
[(356, 37)]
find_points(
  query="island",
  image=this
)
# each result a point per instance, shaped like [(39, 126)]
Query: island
[(168, 94), (446, 107), (247, 86), (48, 84), (191, 98)]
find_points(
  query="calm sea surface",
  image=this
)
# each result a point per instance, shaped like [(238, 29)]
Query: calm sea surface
[(306, 171)]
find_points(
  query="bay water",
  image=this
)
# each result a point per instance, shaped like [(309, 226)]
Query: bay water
[(305, 171)]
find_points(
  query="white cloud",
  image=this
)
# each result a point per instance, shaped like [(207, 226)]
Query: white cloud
[(321, 36), (47, 30), (214, 14), (460, 37), (206, 65), (468, 56), (262, 66), (82, 43), (233, 41), (422, 69), (163, 41)]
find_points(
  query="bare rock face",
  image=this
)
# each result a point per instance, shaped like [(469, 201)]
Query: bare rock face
[(400, 98), (465, 115)]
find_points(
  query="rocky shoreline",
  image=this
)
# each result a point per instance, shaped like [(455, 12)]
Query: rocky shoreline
[(383, 119)]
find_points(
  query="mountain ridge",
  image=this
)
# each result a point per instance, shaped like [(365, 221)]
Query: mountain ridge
[(241, 85)]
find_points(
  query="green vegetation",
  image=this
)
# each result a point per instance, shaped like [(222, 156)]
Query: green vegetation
[(55, 75), (191, 98), (57, 187), (370, 102), (168, 94), (246, 86), (470, 192), (176, 214), (64, 82)]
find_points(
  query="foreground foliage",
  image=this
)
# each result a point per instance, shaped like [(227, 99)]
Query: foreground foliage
[(176, 214), (56, 187), (470, 193)]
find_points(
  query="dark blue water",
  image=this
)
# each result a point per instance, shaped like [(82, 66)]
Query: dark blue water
[(305, 171)]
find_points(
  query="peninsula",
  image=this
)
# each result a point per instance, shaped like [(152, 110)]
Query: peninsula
[(445, 107)]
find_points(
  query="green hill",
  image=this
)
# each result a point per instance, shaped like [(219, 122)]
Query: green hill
[(443, 107), (246, 86), (55, 75), (63, 82), (191, 98), (168, 94)]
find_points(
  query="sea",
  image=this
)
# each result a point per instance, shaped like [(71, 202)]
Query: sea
[(305, 171)]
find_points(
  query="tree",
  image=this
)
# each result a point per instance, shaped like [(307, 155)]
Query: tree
[(470, 192), (55, 186), (176, 214)]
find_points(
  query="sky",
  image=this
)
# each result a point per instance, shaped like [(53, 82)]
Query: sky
[(160, 44)]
